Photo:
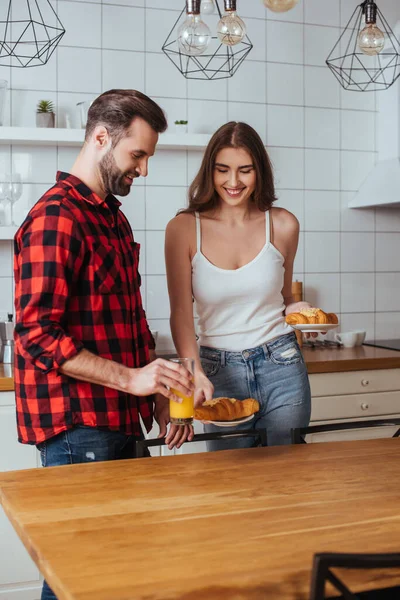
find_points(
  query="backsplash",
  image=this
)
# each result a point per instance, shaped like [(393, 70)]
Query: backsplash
[(321, 139)]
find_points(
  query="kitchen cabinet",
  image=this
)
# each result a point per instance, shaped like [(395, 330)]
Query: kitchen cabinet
[(19, 577), (354, 396)]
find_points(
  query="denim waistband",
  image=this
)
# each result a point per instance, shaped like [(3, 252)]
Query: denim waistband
[(249, 353)]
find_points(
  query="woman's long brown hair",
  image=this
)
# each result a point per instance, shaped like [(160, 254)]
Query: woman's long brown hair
[(202, 194)]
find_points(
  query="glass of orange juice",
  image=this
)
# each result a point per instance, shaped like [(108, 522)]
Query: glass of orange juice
[(182, 413)]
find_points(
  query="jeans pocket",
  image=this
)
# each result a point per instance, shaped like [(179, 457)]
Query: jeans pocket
[(210, 366), (287, 353)]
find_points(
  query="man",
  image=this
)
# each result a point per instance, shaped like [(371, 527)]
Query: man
[(85, 368)]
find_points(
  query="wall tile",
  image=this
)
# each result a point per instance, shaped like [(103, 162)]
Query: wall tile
[(285, 126), (248, 84), (321, 87), (24, 104), (157, 297), (355, 167), (6, 258), (162, 204), (285, 42), (6, 296), (387, 325), (34, 164), (82, 24), (322, 252), (360, 219), (322, 128), (85, 79), (322, 169), (388, 252), (167, 168), (123, 28), (388, 219), (122, 69), (155, 263), (322, 211), (162, 78), (362, 322), (358, 130), (357, 252), (285, 84), (206, 116), (288, 164), (318, 43), (357, 292), (387, 292), (158, 26), (318, 13)]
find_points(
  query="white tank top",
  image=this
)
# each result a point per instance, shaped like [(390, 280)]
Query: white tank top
[(239, 308)]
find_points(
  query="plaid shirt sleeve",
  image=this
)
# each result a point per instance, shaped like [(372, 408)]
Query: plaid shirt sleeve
[(48, 256)]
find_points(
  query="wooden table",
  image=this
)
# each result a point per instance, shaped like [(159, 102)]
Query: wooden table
[(240, 524)]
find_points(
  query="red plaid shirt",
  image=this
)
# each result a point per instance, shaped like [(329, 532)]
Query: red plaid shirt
[(77, 286)]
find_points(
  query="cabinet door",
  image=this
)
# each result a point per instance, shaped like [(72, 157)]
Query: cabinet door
[(16, 566), (369, 433)]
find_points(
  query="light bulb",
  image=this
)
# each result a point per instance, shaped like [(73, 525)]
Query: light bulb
[(371, 40), (194, 36), (207, 7), (280, 5), (231, 29)]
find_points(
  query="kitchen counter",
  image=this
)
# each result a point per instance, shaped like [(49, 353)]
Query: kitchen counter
[(6, 378), (334, 360), (318, 360)]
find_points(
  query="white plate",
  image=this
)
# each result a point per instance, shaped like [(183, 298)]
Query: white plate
[(230, 423), (314, 327)]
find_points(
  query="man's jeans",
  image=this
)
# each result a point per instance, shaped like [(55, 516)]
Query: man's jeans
[(82, 445)]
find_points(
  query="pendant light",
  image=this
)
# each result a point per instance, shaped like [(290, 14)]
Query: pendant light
[(193, 35), (231, 29), (280, 5)]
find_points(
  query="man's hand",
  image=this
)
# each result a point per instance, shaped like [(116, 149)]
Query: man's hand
[(177, 434), (158, 377)]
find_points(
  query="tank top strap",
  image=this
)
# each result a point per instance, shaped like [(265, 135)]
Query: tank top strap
[(267, 227), (198, 232)]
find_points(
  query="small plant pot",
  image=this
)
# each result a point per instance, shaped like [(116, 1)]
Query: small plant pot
[(45, 119), (181, 128)]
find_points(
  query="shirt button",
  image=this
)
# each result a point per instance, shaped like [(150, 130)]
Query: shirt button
[(246, 354)]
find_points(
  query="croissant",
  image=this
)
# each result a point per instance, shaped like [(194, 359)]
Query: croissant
[(311, 316), (226, 409)]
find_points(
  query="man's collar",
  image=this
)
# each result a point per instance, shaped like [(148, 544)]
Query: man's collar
[(84, 191)]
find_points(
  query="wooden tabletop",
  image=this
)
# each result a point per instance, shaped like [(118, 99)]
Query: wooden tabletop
[(6, 378), (240, 524), (333, 360)]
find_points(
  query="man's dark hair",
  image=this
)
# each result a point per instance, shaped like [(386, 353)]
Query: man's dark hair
[(116, 109)]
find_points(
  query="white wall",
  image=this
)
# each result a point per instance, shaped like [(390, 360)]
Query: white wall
[(322, 141)]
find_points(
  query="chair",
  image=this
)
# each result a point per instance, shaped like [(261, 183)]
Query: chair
[(298, 434), (260, 434), (325, 561)]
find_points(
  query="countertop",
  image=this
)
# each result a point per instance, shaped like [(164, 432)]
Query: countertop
[(240, 524), (318, 360)]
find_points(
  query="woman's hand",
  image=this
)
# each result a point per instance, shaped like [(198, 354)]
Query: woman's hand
[(204, 389), (295, 307), (177, 434)]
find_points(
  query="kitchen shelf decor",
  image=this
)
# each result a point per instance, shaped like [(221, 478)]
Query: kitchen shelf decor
[(29, 32), (366, 57), (196, 52)]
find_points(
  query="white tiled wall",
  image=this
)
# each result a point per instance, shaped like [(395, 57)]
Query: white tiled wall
[(321, 139)]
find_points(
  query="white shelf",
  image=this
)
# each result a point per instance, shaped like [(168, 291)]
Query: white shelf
[(7, 233), (37, 136)]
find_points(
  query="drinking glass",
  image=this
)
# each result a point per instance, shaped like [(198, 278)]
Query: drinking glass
[(182, 413), (16, 193), (5, 199)]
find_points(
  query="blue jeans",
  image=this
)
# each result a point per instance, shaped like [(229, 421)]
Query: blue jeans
[(81, 445), (275, 375)]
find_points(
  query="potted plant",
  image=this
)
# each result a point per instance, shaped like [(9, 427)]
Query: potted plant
[(45, 116), (181, 126)]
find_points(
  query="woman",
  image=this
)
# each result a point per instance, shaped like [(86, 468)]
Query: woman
[(233, 253)]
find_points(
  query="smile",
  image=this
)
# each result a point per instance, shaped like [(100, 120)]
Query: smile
[(234, 192)]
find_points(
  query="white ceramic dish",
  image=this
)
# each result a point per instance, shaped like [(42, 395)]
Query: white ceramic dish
[(230, 423), (314, 327)]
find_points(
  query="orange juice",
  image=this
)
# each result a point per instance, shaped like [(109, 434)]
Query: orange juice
[(181, 413)]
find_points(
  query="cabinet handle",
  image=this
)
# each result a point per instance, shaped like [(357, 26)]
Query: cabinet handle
[(364, 382), (364, 406)]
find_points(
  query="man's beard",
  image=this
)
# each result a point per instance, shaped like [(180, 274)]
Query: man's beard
[(113, 178)]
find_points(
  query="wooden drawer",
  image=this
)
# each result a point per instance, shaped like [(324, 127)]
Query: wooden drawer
[(354, 382), (356, 406)]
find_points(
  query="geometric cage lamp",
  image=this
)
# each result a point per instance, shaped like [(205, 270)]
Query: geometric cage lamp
[(366, 57), (29, 32)]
